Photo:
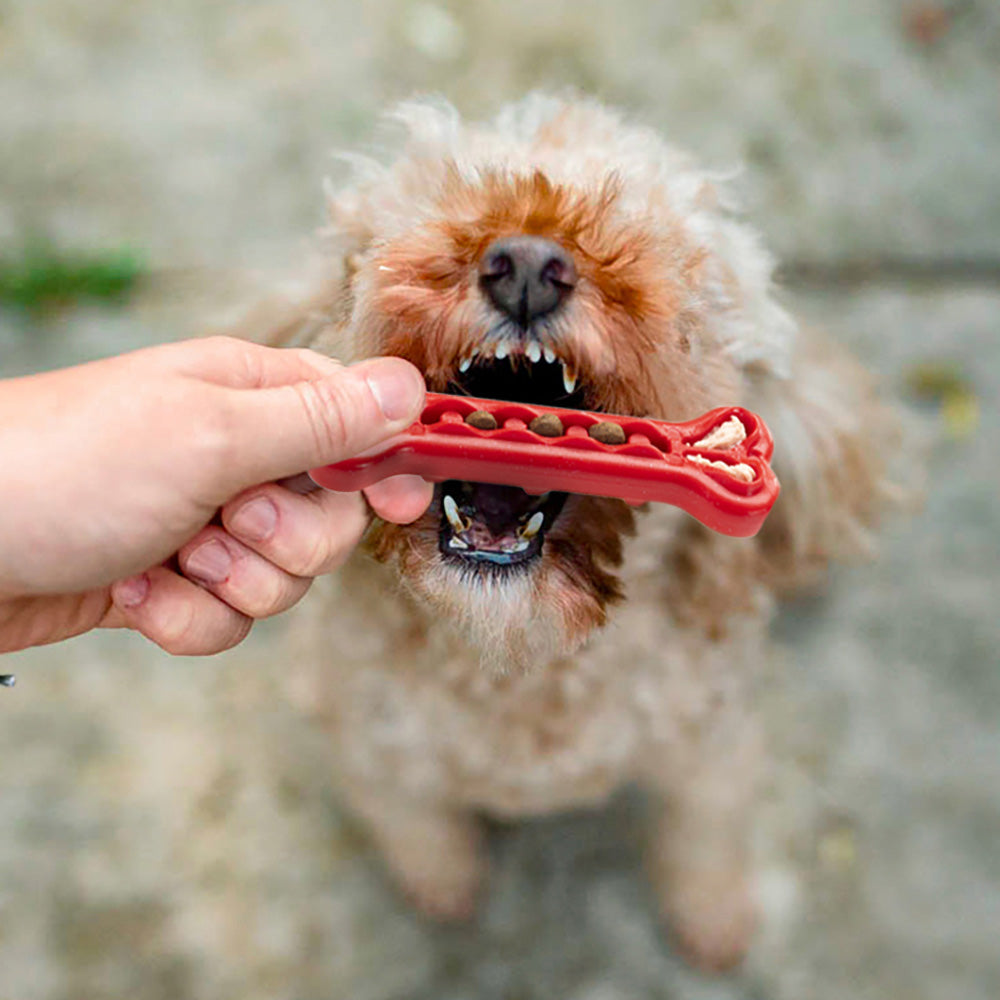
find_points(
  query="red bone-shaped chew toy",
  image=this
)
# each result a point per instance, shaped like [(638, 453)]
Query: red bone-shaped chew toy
[(715, 467)]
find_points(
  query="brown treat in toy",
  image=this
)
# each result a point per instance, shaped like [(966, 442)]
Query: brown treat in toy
[(547, 425), (608, 432), (483, 420)]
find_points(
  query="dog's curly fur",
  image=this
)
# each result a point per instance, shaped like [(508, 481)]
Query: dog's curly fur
[(628, 652)]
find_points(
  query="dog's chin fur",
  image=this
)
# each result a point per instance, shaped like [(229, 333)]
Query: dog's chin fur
[(519, 617), (672, 314)]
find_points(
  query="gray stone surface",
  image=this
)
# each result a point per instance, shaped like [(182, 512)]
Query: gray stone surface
[(861, 139), (166, 827)]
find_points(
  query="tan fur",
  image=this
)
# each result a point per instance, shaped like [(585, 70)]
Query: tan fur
[(629, 654)]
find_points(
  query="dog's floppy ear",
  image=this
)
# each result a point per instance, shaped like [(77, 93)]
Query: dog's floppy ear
[(835, 442), (835, 451)]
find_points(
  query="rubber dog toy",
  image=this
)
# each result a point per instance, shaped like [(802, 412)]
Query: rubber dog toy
[(715, 467)]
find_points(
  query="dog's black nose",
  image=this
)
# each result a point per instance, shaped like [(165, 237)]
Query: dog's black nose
[(526, 276)]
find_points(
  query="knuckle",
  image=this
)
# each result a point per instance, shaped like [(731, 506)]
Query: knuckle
[(205, 642), (239, 631), (312, 554), (337, 533), (304, 564), (187, 630), (325, 556), (335, 550), (220, 343), (217, 426), (274, 596), (174, 629)]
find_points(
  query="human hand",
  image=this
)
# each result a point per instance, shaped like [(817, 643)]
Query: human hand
[(140, 491)]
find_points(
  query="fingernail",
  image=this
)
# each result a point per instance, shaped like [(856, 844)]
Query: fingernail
[(131, 592), (397, 387), (210, 563), (255, 520)]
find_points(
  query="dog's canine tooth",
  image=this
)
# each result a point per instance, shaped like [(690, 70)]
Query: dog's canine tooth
[(456, 543), (451, 512), (533, 351), (533, 526), (569, 378), (465, 364), (550, 355)]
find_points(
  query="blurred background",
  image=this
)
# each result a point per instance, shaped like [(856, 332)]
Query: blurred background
[(166, 826)]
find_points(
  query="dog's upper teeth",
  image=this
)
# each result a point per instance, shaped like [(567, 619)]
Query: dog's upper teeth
[(569, 379), (502, 350), (550, 355), (451, 512), (533, 351), (465, 363), (533, 526)]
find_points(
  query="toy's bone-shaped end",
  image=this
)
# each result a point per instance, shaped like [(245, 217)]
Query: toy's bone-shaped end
[(715, 467)]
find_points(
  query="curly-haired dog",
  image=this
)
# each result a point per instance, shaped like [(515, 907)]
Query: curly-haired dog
[(560, 255)]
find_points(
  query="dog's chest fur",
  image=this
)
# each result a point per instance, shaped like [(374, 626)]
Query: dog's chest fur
[(410, 704)]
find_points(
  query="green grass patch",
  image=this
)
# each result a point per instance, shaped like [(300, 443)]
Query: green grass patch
[(43, 279)]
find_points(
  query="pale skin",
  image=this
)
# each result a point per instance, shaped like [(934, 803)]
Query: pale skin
[(144, 491)]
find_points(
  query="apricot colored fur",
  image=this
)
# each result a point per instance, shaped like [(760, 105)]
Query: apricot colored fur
[(628, 654)]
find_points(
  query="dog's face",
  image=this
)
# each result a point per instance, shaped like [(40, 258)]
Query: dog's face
[(557, 258)]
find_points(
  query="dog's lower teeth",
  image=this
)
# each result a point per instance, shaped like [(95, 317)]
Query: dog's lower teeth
[(533, 526), (451, 512)]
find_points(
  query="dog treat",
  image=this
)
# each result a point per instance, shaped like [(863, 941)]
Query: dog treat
[(547, 425), (607, 432), (725, 436), (729, 488), (740, 470), (482, 419)]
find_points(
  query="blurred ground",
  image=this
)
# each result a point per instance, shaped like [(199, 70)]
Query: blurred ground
[(166, 829)]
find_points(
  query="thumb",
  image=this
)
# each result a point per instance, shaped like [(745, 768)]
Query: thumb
[(288, 429)]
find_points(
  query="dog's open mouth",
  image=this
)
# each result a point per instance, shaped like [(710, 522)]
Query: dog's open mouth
[(503, 526)]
